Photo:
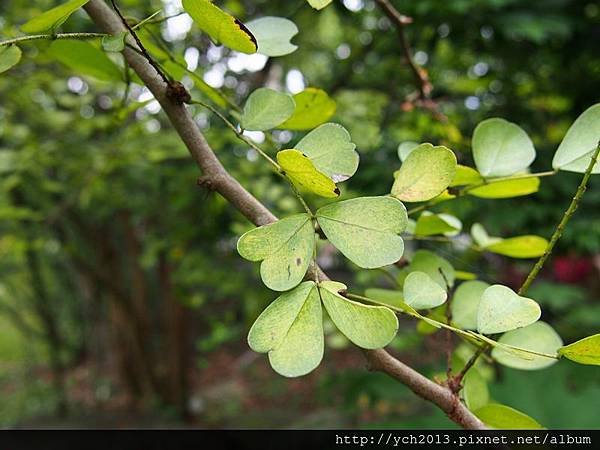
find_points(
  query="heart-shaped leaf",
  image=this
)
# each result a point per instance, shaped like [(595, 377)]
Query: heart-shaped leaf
[(299, 168), (273, 35), (319, 4), (266, 108), (507, 188), (85, 59), (313, 107), (291, 330), (367, 326), (575, 150), (365, 229), (10, 55), (584, 351), (421, 292), (220, 26), (285, 248), (506, 418), (465, 304), (53, 18), (434, 266), (501, 148), (539, 337), (331, 150), (501, 309), (519, 247), (426, 173)]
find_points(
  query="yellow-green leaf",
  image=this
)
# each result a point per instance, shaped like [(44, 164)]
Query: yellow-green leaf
[(85, 59), (319, 4), (10, 55), (313, 107), (465, 176), (507, 188), (506, 418), (519, 247), (303, 173), (429, 224), (53, 18), (584, 351)]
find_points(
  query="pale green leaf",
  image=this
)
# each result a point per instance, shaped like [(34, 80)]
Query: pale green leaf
[(432, 264), (501, 148), (405, 148), (303, 173), (519, 247), (85, 59), (114, 43), (273, 35), (584, 351), (465, 304), (475, 391), (421, 292), (53, 18), (220, 26), (426, 173), (285, 248), (575, 150), (506, 418), (331, 150), (266, 108), (501, 309), (389, 296), (319, 4), (507, 188), (313, 107), (10, 55), (365, 229), (481, 237), (538, 337), (429, 224), (367, 326), (466, 176)]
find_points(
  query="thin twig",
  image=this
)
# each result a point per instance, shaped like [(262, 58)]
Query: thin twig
[(37, 37)]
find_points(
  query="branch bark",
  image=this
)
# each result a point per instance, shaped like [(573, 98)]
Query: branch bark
[(222, 182)]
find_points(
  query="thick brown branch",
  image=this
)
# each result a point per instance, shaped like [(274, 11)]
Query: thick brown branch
[(223, 183)]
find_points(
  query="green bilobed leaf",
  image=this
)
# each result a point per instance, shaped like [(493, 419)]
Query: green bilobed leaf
[(266, 108), (331, 150), (506, 418), (501, 309), (365, 229), (584, 351), (285, 248), (421, 292), (367, 326), (10, 55), (432, 264), (475, 390), (303, 173), (519, 247), (319, 4), (273, 35), (501, 148), (539, 337), (507, 189), (85, 59), (465, 304), (481, 237), (313, 108), (429, 224), (115, 43), (220, 26), (426, 173), (53, 18), (405, 149), (575, 150), (466, 176), (291, 330)]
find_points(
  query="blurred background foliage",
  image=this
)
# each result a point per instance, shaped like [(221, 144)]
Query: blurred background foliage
[(122, 299)]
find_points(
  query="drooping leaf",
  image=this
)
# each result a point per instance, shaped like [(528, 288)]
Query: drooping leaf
[(584, 351), (367, 326), (331, 150), (85, 59), (319, 4), (53, 18), (475, 390), (285, 248), (303, 173), (481, 237), (466, 176), (405, 148), (519, 247), (365, 229), (290, 330), (266, 108), (501, 148), (539, 337), (429, 224), (434, 266), (273, 35), (114, 43), (426, 173), (10, 55), (421, 292), (507, 188), (504, 417), (465, 304), (313, 108), (575, 150), (220, 26), (501, 309)]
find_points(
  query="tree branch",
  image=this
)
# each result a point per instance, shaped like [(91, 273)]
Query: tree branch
[(222, 182)]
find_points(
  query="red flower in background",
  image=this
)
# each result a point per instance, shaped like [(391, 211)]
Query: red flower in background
[(571, 268)]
